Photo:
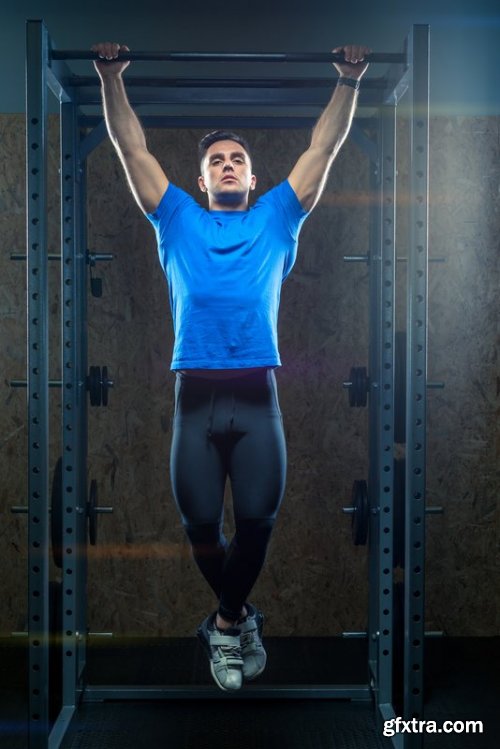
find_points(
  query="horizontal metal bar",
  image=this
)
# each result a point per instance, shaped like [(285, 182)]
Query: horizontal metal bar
[(23, 510), (430, 385), (373, 57), (431, 260), (211, 122), (215, 122), (24, 383), (81, 81), (360, 692), (96, 257), (365, 259), (52, 383), (21, 256), (356, 258), (217, 96), (92, 257)]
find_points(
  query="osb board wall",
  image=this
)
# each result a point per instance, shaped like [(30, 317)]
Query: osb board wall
[(142, 580)]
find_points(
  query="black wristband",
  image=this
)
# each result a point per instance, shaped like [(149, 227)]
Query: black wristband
[(352, 82)]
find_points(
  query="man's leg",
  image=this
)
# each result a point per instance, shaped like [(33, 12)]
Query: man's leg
[(257, 469), (198, 476), (198, 472)]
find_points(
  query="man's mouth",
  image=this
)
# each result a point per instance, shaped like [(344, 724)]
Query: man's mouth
[(228, 178)]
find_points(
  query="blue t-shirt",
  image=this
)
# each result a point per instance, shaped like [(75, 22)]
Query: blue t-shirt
[(224, 271)]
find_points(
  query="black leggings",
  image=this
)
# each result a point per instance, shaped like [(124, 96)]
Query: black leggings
[(228, 428)]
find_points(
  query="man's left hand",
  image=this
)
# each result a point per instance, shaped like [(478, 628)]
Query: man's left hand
[(354, 65)]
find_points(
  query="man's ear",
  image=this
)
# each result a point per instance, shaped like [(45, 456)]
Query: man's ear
[(253, 182), (201, 184)]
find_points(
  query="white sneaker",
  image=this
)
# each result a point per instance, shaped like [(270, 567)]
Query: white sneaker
[(224, 652), (252, 651)]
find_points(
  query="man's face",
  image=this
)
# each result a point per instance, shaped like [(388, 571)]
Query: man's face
[(226, 173)]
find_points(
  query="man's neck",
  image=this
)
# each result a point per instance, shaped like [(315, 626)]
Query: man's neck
[(228, 205)]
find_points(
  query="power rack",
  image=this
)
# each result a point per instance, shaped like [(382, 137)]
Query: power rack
[(180, 102)]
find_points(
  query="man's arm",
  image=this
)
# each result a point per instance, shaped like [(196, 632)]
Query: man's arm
[(146, 178), (308, 177)]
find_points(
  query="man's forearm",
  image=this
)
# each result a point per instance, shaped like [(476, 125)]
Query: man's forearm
[(334, 124), (124, 128)]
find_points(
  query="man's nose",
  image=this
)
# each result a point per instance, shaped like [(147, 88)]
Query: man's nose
[(228, 165)]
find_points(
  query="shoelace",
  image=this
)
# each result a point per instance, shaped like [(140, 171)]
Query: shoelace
[(230, 651), (249, 638)]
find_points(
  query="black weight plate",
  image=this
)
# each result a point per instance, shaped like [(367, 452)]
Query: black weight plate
[(95, 386), (362, 386), (92, 512), (105, 386), (56, 523), (352, 389), (358, 390), (357, 386), (96, 287), (360, 516)]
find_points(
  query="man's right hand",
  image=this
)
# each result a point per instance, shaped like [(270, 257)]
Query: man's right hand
[(146, 177), (110, 51)]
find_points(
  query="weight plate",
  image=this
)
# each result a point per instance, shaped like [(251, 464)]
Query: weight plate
[(362, 386), (360, 515), (352, 388), (105, 386), (92, 512), (358, 390), (94, 386)]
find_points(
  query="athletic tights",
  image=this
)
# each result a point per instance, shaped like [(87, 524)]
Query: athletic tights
[(230, 428)]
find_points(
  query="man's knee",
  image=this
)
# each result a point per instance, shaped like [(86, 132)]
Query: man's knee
[(205, 538), (254, 531)]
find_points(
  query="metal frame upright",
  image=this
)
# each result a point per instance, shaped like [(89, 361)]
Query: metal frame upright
[(46, 69), (416, 381), (38, 384), (383, 260)]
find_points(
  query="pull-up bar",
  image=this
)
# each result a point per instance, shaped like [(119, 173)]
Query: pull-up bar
[(390, 57)]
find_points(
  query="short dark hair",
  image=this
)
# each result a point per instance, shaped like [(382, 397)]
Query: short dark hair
[(217, 135)]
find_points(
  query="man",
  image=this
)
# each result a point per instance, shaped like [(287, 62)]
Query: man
[(224, 268)]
